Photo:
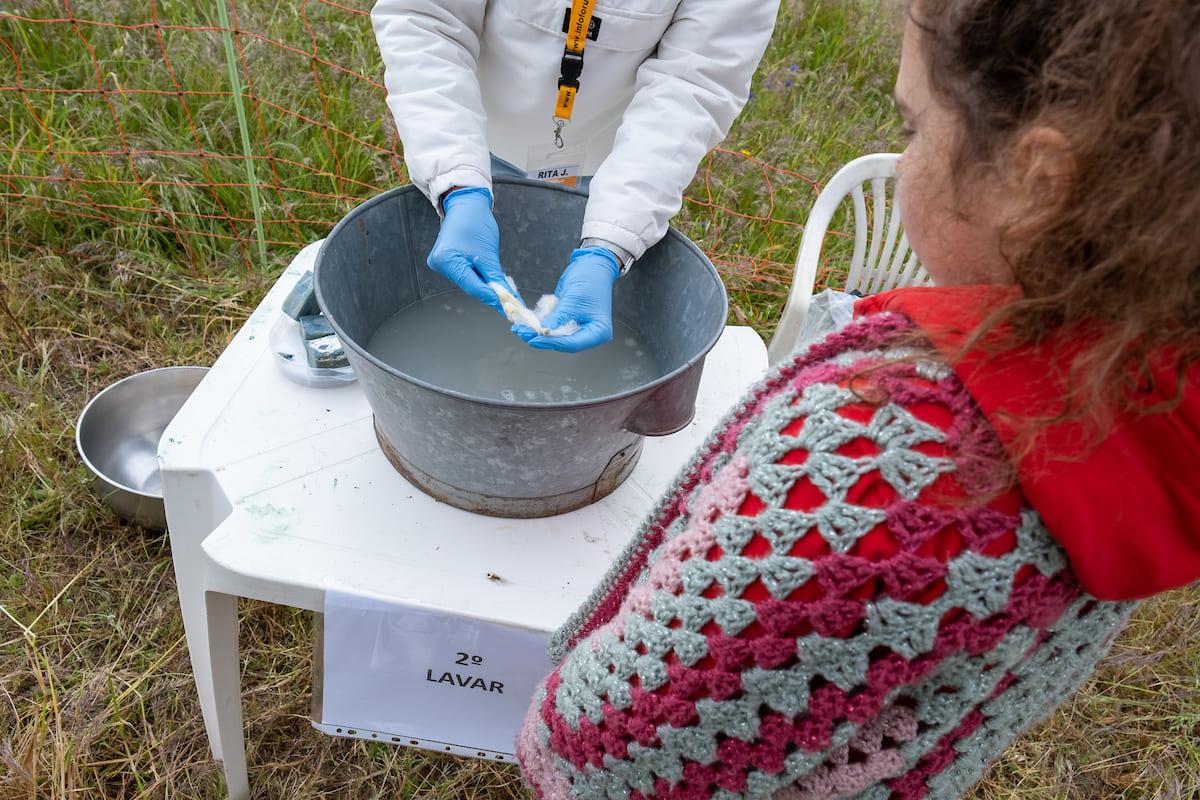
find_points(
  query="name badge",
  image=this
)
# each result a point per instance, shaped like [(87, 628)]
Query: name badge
[(554, 166)]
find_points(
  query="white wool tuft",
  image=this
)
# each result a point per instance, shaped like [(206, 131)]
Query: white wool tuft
[(519, 314)]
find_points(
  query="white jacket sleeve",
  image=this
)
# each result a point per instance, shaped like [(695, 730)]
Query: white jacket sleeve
[(430, 49), (688, 94)]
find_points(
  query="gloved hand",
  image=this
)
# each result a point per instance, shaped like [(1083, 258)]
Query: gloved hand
[(585, 296), (467, 250)]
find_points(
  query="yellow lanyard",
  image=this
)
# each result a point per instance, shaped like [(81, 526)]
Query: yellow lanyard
[(572, 65)]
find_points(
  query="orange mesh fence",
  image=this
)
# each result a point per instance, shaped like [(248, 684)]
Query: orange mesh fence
[(122, 125)]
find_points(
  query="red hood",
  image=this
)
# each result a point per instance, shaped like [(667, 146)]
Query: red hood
[(1127, 511)]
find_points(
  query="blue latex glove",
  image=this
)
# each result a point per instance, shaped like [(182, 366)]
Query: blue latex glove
[(584, 295), (467, 250)]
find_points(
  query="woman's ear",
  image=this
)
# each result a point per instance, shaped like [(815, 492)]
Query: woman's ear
[(1043, 167)]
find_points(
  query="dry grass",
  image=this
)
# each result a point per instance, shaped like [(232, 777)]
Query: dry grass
[(96, 695)]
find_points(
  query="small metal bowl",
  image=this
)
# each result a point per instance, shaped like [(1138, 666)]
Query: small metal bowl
[(117, 436)]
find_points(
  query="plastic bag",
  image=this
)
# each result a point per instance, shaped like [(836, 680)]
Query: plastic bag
[(828, 311)]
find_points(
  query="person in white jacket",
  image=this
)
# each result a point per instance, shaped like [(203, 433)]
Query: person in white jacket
[(632, 93)]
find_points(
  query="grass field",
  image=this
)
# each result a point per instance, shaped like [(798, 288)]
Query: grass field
[(162, 264)]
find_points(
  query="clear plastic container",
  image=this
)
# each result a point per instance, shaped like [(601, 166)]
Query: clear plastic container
[(287, 344)]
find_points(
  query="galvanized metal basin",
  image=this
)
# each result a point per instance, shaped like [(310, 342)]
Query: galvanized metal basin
[(515, 459)]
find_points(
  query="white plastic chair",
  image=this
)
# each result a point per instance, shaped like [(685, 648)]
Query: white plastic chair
[(882, 259)]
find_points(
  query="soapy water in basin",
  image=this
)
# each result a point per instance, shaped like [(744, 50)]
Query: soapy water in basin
[(452, 341)]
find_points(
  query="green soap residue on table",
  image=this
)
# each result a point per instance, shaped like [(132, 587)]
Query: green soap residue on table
[(270, 521)]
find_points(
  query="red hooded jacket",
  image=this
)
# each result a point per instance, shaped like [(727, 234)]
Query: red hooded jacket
[(1125, 509)]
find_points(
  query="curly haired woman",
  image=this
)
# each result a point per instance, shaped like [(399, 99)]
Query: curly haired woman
[(917, 538)]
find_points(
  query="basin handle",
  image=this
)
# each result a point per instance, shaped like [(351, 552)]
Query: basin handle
[(670, 407)]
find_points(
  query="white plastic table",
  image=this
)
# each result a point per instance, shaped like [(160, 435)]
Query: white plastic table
[(279, 492)]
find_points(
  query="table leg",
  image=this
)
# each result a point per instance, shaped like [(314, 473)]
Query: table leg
[(225, 734), (195, 507)]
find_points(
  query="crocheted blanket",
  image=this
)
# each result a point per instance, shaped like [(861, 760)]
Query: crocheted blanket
[(834, 600)]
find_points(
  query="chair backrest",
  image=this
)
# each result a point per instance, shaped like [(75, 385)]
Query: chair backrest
[(882, 259)]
